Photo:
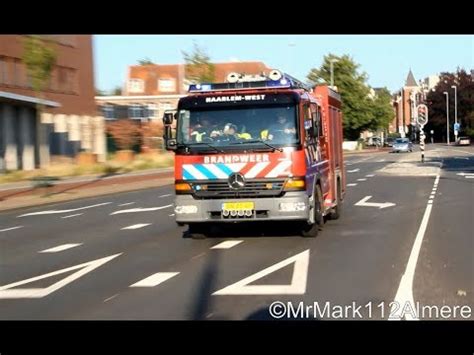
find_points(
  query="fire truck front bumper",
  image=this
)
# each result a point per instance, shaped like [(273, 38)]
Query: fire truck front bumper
[(291, 206)]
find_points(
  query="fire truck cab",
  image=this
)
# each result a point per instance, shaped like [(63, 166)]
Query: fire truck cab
[(254, 149)]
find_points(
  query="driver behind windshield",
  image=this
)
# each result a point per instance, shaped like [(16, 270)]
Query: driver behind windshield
[(282, 129)]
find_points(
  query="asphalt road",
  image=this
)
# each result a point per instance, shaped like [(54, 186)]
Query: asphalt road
[(123, 257)]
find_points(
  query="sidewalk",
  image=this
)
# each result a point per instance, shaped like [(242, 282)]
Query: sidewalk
[(19, 195)]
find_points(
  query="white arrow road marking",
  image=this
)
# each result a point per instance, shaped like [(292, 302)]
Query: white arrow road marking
[(227, 244), (136, 226), (155, 279), (10, 229), (63, 211), (354, 184), (60, 248), (5, 291), (353, 171), (404, 298), (297, 286), (134, 210), (373, 204)]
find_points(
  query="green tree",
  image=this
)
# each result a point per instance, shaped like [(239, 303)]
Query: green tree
[(465, 104), (116, 91), (357, 105), (145, 61), (199, 68), (99, 92), (382, 111), (39, 59)]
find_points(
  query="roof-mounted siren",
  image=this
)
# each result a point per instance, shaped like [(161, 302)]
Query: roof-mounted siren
[(233, 77), (275, 75)]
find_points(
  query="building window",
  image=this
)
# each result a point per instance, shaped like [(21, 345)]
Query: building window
[(109, 112), (152, 111), (135, 85), (3, 70), (166, 85), (136, 111), (166, 106)]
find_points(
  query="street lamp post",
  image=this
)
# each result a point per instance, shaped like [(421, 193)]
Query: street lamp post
[(447, 116), (455, 111), (332, 61)]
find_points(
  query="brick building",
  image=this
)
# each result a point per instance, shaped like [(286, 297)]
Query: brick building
[(70, 122)]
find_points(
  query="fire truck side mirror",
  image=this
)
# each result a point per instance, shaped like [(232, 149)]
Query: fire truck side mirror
[(168, 118), (170, 142)]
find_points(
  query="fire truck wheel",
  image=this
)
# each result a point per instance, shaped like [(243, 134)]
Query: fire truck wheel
[(337, 211), (196, 231), (312, 230)]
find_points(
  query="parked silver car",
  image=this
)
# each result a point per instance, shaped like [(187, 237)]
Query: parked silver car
[(402, 145)]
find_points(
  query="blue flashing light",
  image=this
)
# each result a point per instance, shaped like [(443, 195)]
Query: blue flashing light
[(285, 81)]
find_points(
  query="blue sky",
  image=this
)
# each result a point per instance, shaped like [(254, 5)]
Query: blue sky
[(385, 58)]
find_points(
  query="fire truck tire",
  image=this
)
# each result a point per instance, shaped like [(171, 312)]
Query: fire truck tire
[(312, 230), (337, 211), (196, 231)]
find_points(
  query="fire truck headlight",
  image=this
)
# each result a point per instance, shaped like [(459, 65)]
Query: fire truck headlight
[(292, 206), (186, 209)]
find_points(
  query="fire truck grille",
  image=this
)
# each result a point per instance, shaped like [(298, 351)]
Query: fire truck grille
[(253, 188)]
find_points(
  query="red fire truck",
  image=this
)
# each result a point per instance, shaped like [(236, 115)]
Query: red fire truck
[(257, 148)]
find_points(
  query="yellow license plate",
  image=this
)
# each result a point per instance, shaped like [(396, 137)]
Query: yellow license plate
[(238, 206)]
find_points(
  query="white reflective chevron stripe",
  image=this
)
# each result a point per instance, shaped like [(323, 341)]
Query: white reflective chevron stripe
[(280, 168), (216, 171), (195, 173), (236, 167), (256, 169)]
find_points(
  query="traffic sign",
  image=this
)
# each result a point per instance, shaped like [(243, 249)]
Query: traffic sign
[(457, 126), (422, 114)]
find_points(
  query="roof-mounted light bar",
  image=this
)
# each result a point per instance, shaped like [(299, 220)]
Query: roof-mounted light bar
[(275, 79)]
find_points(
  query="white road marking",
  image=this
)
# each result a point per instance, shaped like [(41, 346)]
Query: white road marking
[(139, 209), (227, 244), (108, 299), (380, 161), (171, 215), (469, 177), (63, 211), (155, 279), (354, 184), (73, 215), (6, 292), (364, 203), (363, 179), (136, 226), (126, 204), (370, 175), (60, 248), (461, 158), (165, 195), (432, 196), (297, 286), (465, 174), (405, 289), (10, 229), (353, 170)]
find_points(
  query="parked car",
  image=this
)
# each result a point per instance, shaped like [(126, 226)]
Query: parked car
[(402, 145), (389, 142), (464, 141)]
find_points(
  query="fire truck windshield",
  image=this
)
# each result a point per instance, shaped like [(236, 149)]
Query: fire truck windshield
[(224, 126)]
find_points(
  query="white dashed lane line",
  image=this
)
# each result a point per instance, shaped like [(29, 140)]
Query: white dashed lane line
[(73, 215), (370, 175), (363, 179), (155, 279), (126, 204), (140, 209), (63, 211), (136, 226), (227, 244), (10, 229), (354, 184), (60, 248), (165, 195)]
